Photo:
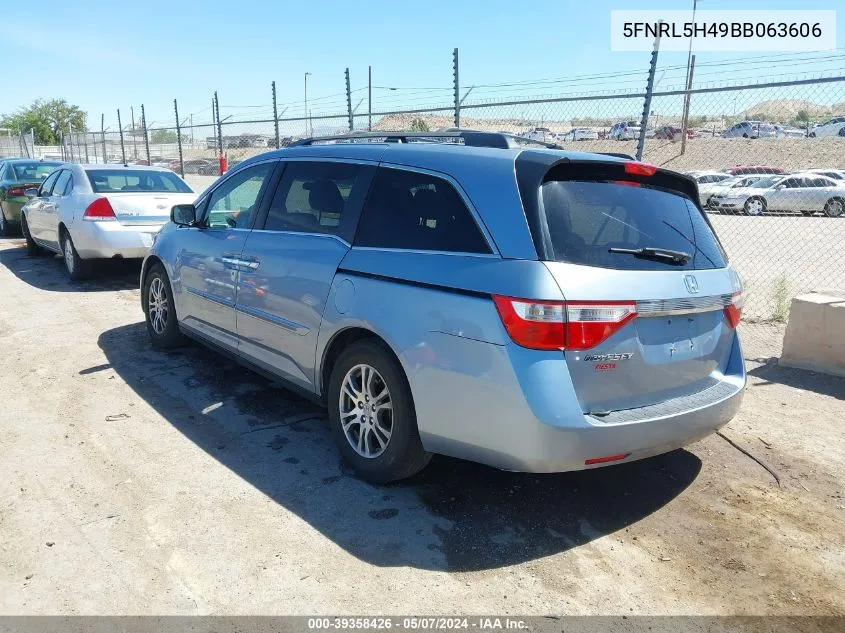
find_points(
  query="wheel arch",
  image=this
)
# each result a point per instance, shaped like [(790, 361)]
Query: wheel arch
[(339, 341)]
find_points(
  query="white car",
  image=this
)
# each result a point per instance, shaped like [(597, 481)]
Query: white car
[(750, 129), (796, 193), (91, 212), (836, 174), (720, 187), (706, 179), (624, 131), (580, 134), (543, 134), (833, 127)]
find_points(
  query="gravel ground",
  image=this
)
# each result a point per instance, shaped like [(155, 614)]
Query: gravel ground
[(136, 481)]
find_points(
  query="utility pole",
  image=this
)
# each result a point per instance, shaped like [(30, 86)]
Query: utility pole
[(275, 114), (687, 100), (349, 101), (370, 98), (179, 139), (146, 137), (457, 83), (648, 92), (122, 148)]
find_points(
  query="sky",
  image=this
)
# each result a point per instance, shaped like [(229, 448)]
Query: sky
[(102, 58)]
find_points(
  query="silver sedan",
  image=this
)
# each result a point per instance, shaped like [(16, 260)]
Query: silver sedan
[(90, 212), (795, 193)]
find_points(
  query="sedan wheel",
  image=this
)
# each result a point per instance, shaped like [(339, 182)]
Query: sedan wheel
[(77, 268), (834, 208), (755, 206)]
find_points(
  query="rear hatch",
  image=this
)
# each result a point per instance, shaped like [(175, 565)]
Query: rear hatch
[(650, 303)]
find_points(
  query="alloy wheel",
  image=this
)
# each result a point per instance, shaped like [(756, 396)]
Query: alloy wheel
[(157, 305), (366, 411), (68, 255)]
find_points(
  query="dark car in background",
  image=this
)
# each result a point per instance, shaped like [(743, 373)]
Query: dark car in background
[(672, 132), (16, 176)]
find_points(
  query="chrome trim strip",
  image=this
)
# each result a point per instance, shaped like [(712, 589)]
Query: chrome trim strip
[(331, 235), (683, 305), (291, 326), (423, 252), (209, 297)]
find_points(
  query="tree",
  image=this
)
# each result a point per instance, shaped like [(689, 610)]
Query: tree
[(802, 117), (418, 125), (163, 136), (48, 120)]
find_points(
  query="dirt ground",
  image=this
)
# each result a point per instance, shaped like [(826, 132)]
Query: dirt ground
[(136, 481)]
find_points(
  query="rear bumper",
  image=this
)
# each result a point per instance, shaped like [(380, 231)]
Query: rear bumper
[(12, 210), (529, 419), (94, 240), (727, 206)]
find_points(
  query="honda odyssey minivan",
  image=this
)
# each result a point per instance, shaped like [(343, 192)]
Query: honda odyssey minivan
[(534, 310)]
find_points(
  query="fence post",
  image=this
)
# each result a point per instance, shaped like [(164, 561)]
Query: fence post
[(85, 140), (275, 113), (179, 138), (687, 99), (370, 98), (648, 92), (134, 136), (120, 127), (32, 139), (103, 135), (144, 129), (349, 101), (456, 81), (219, 132)]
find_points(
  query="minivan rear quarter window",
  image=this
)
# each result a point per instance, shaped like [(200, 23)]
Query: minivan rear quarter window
[(416, 211), (587, 218)]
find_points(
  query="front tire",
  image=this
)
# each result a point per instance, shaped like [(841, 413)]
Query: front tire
[(834, 208), (160, 310), (372, 415), (77, 268), (32, 249), (755, 206)]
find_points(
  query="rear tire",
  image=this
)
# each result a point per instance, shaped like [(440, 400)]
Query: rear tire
[(834, 207), (365, 371), (76, 267), (160, 310), (32, 249), (755, 206)]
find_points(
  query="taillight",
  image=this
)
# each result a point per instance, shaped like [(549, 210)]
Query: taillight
[(640, 169), (98, 210), (733, 311), (574, 325), (16, 192)]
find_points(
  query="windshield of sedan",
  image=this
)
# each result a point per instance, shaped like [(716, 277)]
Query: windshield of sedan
[(124, 181), (35, 171)]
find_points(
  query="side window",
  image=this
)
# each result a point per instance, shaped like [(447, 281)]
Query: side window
[(236, 199), (69, 185), (47, 185), (61, 183), (416, 211), (312, 197)]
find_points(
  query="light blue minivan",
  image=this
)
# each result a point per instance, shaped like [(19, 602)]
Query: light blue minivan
[(532, 309)]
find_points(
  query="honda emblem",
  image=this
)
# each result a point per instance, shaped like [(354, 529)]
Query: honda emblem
[(691, 283)]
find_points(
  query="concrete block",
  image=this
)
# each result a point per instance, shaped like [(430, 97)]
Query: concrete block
[(815, 333)]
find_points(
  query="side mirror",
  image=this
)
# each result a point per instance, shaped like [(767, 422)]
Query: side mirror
[(31, 193), (183, 215)]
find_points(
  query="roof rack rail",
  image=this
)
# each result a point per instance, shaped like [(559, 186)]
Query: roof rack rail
[(471, 138)]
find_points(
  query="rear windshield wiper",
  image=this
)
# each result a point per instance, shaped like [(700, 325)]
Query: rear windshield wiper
[(657, 254)]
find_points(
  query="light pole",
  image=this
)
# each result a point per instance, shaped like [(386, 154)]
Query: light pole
[(307, 121)]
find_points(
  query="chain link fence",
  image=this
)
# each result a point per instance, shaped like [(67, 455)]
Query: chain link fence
[(794, 243)]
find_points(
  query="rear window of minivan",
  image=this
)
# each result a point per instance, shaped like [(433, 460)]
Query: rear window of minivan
[(586, 219)]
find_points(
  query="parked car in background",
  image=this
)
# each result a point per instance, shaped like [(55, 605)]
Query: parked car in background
[(434, 307), (704, 180), (91, 212), (209, 169), (836, 174), (750, 129), (832, 127), (194, 165), (579, 134), (625, 131), (543, 134), (747, 170), (672, 132), (786, 131), (796, 193), (705, 192), (16, 176)]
